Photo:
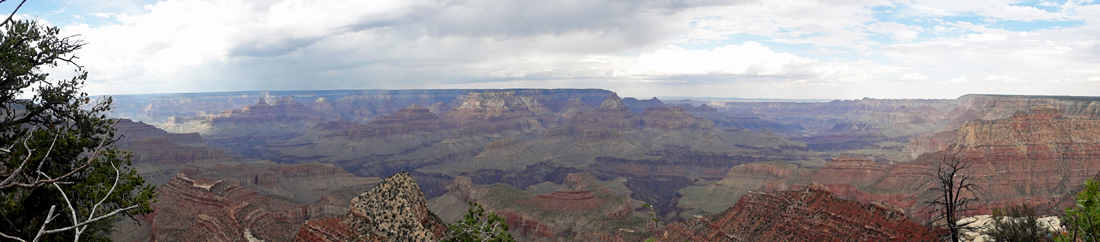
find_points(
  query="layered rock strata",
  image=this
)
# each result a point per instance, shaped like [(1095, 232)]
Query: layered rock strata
[(810, 214)]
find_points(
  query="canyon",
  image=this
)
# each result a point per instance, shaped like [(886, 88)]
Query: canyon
[(577, 164)]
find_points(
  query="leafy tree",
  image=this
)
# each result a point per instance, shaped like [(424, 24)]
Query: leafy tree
[(1082, 222), (476, 225), (1017, 224), (952, 194), (61, 177)]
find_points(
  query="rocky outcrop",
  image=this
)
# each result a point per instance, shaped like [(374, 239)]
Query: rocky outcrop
[(638, 106), (810, 214), (394, 210), (237, 202), (190, 209), (575, 106), (611, 114), (493, 112), (977, 227)]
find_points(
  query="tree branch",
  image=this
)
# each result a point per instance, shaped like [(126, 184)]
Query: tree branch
[(12, 13)]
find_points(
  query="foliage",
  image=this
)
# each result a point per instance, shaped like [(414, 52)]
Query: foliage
[(1017, 224), (62, 177), (1082, 222), (476, 225), (952, 194)]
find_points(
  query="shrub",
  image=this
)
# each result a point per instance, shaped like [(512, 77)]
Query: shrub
[(1083, 221), (1017, 224), (476, 225)]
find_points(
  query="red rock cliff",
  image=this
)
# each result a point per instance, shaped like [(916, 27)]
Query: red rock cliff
[(811, 214)]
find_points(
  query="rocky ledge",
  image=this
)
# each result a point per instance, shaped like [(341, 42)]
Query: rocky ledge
[(810, 214), (394, 210)]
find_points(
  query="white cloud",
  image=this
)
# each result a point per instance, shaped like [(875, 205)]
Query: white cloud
[(899, 31), (913, 77), (1001, 78), (210, 45), (748, 59)]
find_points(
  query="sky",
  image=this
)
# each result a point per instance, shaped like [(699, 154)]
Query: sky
[(836, 49)]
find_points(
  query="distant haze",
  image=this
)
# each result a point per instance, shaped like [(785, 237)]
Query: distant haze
[(695, 48)]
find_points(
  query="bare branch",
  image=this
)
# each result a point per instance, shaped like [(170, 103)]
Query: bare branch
[(12, 13), (93, 157), (12, 237), (93, 220)]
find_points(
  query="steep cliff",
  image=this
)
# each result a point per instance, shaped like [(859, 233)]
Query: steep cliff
[(394, 210), (492, 112), (158, 155), (1033, 156)]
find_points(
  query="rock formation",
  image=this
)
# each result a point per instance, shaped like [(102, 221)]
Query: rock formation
[(237, 202), (203, 210), (582, 208), (493, 112), (1032, 156), (611, 114), (158, 155), (283, 116), (810, 214), (394, 210)]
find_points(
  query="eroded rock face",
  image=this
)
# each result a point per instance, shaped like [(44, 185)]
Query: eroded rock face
[(394, 210), (810, 214), (158, 155), (190, 209), (235, 202), (1032, 156), (611, 114), (283, 116), (497, 111)]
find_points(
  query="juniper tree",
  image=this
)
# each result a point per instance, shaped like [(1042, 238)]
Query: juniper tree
[(61, 177)]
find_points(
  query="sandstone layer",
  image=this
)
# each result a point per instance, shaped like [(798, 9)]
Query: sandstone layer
[(810, 214)]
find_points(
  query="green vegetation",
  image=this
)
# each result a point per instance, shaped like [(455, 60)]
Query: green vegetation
[(476, 225), (1017, 224), (61, 177), (1082, 222)]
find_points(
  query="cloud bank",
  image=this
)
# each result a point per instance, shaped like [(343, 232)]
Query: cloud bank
[(752, 49)]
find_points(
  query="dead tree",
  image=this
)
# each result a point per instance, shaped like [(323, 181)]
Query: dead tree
[(953, 193)]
